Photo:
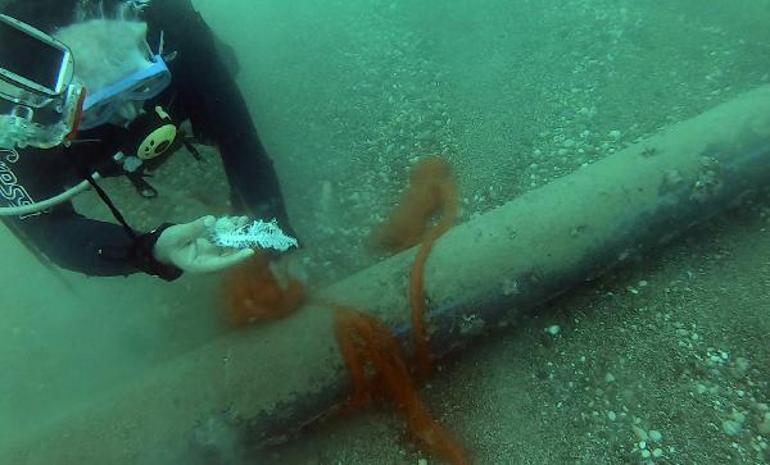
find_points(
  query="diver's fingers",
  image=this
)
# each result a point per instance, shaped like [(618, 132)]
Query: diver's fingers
[(192, 230)]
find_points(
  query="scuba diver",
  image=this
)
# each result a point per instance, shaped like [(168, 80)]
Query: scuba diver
[(74, 108)]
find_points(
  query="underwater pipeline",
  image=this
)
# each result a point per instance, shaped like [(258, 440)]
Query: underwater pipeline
[(265, 383)]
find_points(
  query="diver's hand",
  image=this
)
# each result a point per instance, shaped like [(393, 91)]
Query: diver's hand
[(187, 247)]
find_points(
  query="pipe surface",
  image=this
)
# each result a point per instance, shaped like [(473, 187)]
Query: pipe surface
[(481, 274)]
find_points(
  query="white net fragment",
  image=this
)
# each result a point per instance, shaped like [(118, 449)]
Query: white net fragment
[(233, 232)]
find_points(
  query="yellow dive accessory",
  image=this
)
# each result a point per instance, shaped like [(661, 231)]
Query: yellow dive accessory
[(160, 139)]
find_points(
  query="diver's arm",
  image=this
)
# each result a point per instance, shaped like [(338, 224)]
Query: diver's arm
[(91, 247), (217, 109)]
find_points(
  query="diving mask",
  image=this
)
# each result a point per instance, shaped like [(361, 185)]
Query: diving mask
[(40, 101), (101, 106)]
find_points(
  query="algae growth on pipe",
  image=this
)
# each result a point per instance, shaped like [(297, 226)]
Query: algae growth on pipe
[(481, 274)]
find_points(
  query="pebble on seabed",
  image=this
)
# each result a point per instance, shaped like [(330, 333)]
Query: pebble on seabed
[(553, 330), (733, 427)]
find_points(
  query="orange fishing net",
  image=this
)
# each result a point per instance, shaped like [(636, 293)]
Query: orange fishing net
[(253, 293), (371, 353), (425, 196), (376, 363), (367, 345)]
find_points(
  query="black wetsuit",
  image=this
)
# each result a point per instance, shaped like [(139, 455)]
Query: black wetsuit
[(202, 90)]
